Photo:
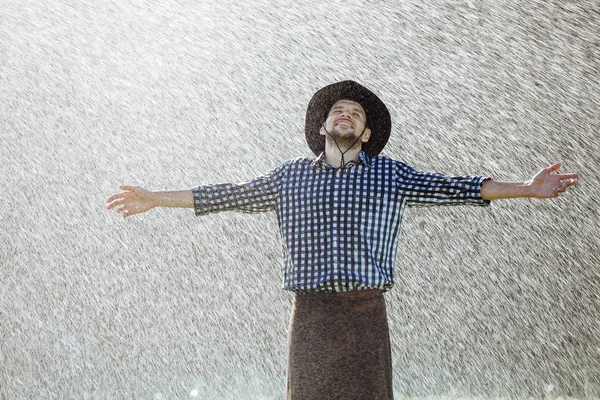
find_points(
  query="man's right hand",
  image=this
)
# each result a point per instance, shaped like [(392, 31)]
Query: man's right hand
[(133, 200)]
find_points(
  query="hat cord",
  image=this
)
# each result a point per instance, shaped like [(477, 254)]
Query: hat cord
[(343, 165)]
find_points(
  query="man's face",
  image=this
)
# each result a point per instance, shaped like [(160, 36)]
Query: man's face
[(346, 121)]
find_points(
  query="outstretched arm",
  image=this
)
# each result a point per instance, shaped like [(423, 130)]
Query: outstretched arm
[(255, 195), (545, 184), (136, 200)]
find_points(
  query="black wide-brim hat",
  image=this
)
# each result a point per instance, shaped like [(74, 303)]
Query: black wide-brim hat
[(378, 116)]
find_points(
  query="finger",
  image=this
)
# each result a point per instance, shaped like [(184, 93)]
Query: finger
[(555, 167), (571, 182), (115, 203), (126, 187), (568, 176), (113, 198)]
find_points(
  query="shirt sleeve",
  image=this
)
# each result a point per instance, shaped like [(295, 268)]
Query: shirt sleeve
[(421, 189), (253, 196)]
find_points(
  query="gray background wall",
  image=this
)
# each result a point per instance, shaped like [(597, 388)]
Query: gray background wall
[(489, 303)]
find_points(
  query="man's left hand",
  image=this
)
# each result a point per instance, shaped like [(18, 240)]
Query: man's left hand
[(546, 184)]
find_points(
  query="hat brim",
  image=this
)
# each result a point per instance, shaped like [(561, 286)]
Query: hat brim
[(378, 116)]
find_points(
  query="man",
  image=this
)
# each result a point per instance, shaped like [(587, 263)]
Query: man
[(339, 216)]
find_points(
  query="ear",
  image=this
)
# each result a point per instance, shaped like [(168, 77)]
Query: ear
[(322, 131), (366, 135)]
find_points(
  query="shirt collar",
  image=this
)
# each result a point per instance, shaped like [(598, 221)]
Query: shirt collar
[(362, 158)]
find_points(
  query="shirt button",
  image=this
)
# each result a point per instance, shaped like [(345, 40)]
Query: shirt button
[(335, 193)]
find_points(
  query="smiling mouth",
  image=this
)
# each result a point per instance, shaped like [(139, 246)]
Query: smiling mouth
[(344, 122)]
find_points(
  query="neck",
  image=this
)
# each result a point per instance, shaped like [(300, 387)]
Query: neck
[(333, 156)]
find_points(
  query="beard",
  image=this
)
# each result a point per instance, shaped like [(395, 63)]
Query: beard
[(345, 140)]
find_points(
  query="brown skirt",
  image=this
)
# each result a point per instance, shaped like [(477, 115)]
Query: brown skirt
[(339, 347)]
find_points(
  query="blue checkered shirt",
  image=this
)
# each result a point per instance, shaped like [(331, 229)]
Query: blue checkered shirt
[(339, 227)]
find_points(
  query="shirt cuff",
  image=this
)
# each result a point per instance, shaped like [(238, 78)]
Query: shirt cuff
[(199, 203), (478, 184)]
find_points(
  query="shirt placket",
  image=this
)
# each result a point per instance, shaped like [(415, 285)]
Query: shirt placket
[(335, 232)]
